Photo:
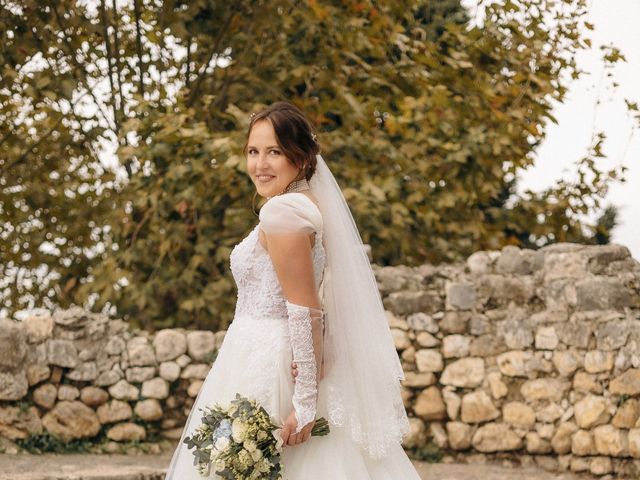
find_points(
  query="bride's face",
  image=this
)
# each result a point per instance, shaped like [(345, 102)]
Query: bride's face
[(267, 165)]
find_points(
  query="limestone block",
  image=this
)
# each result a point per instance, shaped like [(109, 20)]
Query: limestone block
[(71, 420), (566, 362), (479, 263), (421, 321), (477, 407), (169, 344), (519, 415), (600, 466), (429, 360), (496, 385), (429, 404), (549, 413), (155, 388), (627, 414), (626, 384), (62, 353), (37, 373), (148, 410), (12, 344), (400, 339), (455, 321), (546, 338), (452, 402), (596, 361), (139, 374), (466, 372), (496, 437), (38, 328), (459, 295), (13, 386), (141, 353), (611, 441), (459, 435), (115, 346), (561, 441), (592, 410), (109, 377), (614, 334), (93, 396), (634, 442), (84, 372), (201, 344), (196, 370), (425, 339), (586, 382), (123, 390), (544, 389), (170, 371), (438, 435), (515, 363), (68, 392), (417, 435), (582, 443), (536, 444), (455, 346), (602, 293), (407, 302), (18, 423), (45, 396), (127, 432), (418, 379), (194, 388), (114, 411)]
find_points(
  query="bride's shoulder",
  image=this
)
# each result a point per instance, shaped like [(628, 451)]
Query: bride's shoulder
[(292, 209)]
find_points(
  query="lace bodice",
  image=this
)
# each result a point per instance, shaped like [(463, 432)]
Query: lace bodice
[(259, 292)]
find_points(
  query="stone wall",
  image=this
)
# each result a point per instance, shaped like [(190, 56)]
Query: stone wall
[(534, 354), (79, 375), (531, 352)]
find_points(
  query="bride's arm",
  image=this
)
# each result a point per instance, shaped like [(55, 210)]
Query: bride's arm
[(292, 260)]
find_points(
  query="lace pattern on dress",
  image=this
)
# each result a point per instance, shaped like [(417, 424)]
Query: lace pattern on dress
[(305, 394), (261, 317)]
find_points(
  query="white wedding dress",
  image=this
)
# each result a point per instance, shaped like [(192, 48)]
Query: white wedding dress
[(255, 360)]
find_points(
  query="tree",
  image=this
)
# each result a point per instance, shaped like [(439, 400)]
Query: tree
[(422, 124)]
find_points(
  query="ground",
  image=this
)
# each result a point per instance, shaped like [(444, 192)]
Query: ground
[(152, 467)]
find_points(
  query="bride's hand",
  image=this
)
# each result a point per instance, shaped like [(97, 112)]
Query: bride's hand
[(294, 370), (289, 427)]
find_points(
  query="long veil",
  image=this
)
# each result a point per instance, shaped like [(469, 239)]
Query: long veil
[(362, 368)]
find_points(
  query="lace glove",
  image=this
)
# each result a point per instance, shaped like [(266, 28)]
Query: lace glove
[(305, 330)]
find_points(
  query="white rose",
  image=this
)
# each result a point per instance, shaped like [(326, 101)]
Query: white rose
[(221, 444), (238, 430), (256, 454), (250, 445)]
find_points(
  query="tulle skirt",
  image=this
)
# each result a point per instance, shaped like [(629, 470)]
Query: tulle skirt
[(255, 361)]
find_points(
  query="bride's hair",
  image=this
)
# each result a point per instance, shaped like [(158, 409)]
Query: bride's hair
[(294, 134)]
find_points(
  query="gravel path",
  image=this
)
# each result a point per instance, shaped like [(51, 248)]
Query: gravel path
[(151, 467)]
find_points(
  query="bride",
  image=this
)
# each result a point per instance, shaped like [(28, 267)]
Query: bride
[(309, 337)]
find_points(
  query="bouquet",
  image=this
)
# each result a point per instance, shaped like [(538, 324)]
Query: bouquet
[(240, 442)]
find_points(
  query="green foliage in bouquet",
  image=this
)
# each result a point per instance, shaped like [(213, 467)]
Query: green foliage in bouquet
[(240, 442)]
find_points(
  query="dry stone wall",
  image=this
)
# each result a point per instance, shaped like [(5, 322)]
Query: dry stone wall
[(534, 354)]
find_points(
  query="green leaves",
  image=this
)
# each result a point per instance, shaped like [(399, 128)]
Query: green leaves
[(424, 120)]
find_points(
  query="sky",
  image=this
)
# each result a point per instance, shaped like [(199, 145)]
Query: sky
[(615, 22)]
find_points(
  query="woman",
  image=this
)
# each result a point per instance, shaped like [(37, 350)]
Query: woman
[(309, 338)]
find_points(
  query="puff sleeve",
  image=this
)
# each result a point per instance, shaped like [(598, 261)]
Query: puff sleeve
[(289, 213)]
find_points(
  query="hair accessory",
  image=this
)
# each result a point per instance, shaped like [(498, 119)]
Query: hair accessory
[(314, 137), (252, 115)]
